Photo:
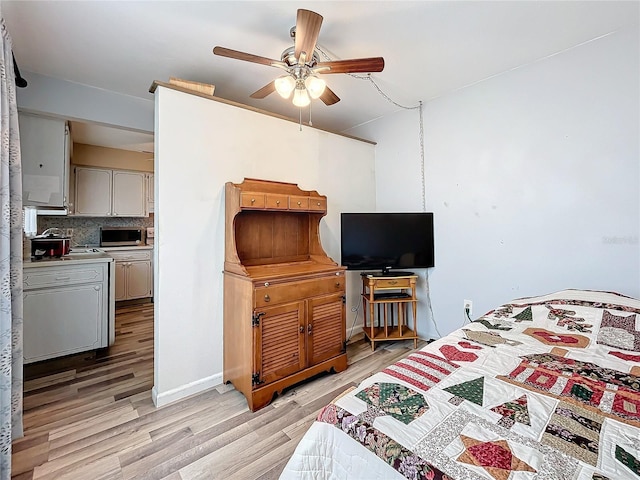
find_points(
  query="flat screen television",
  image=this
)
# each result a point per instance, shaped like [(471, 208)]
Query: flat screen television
[(386, 241)]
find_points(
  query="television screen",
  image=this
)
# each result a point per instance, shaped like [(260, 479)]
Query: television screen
[(387, 240)]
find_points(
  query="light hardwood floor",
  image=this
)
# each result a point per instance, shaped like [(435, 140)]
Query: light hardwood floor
[(91, 416)]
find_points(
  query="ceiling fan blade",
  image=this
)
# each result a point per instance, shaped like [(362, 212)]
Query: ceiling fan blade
[(356, 65), (308, 25), (247, 57), (268, 89), (328, 97)]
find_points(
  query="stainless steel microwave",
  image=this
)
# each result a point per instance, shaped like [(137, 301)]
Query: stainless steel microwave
[(121, 236)]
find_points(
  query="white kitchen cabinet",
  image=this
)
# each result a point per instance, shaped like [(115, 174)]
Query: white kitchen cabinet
[(150, 192), (93, 191), (66, 309), (129, 194), (102, 192), (134, 277), (44, 147)]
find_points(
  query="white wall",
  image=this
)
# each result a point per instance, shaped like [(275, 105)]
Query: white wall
[(200, 145), (533, 177)]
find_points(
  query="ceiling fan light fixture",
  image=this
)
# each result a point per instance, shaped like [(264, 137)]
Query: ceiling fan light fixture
[(285, 85), (301, 97), (315, 86)]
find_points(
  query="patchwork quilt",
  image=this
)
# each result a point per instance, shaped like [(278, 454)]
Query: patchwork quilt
[(540, 388)]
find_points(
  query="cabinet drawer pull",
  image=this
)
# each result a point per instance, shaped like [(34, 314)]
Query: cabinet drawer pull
[(318, 204), (337, 284), (277, 202), (267, 298), (253, 200), (63, 278), (393, 282), (299, 203)]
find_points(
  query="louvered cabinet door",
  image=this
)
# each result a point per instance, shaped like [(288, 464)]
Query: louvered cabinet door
[(325, 328), (279, 342)]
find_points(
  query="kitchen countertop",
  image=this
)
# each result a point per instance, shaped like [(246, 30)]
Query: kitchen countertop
[(81, 255), (70, 259)]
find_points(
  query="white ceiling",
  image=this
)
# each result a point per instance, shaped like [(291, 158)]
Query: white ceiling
[(431, 48), (92, 134)]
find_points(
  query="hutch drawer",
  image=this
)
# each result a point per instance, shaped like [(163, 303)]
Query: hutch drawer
[(298, 203), (276, 201), (297, 290), (319, 204), (252, 200)]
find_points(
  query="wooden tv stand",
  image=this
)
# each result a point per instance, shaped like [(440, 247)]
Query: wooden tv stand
[(384, 298), (284, 298)]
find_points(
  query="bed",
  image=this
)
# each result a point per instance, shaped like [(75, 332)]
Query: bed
[(540, 388)]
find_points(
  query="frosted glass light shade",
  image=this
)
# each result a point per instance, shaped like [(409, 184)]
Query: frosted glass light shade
[(315, 86), (301, 97), (285, 85)]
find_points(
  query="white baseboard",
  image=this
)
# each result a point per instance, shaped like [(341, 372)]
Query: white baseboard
[(160, 399), (354, 331)]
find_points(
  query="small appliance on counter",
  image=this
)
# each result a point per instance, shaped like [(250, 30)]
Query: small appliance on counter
[(51, 243), (121, 236), (151, 233)]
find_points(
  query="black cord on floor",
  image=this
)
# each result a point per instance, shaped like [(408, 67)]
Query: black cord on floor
[(355, 309)]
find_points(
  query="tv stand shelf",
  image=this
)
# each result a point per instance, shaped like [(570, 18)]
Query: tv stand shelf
[(390, 296), (386, 302)]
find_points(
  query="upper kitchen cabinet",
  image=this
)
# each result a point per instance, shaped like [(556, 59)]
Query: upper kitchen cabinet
[(103, 192), (44, 145)]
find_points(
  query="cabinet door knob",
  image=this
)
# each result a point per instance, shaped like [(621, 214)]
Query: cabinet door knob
[(96, 288), (337, 284), (301, 328), (267, 298), (318, 203), (309, 329), (266, 284)]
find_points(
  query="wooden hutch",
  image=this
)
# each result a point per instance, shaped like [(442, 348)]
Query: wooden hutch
[(284, 298)]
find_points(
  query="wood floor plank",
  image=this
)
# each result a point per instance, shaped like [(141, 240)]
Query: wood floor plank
[(90, 416), (26, 460), (80, 461), (105, 468), (224, 461)]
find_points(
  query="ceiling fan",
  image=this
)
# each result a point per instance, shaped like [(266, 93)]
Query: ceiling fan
[(302, 65)]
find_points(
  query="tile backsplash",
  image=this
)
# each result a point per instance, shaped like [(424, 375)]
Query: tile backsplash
[(86, 230)]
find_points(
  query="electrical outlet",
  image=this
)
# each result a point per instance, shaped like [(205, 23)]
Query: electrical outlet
[(69, 232), (468, 308)]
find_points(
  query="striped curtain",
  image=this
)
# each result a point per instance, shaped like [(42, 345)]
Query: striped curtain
[(11, 375)]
